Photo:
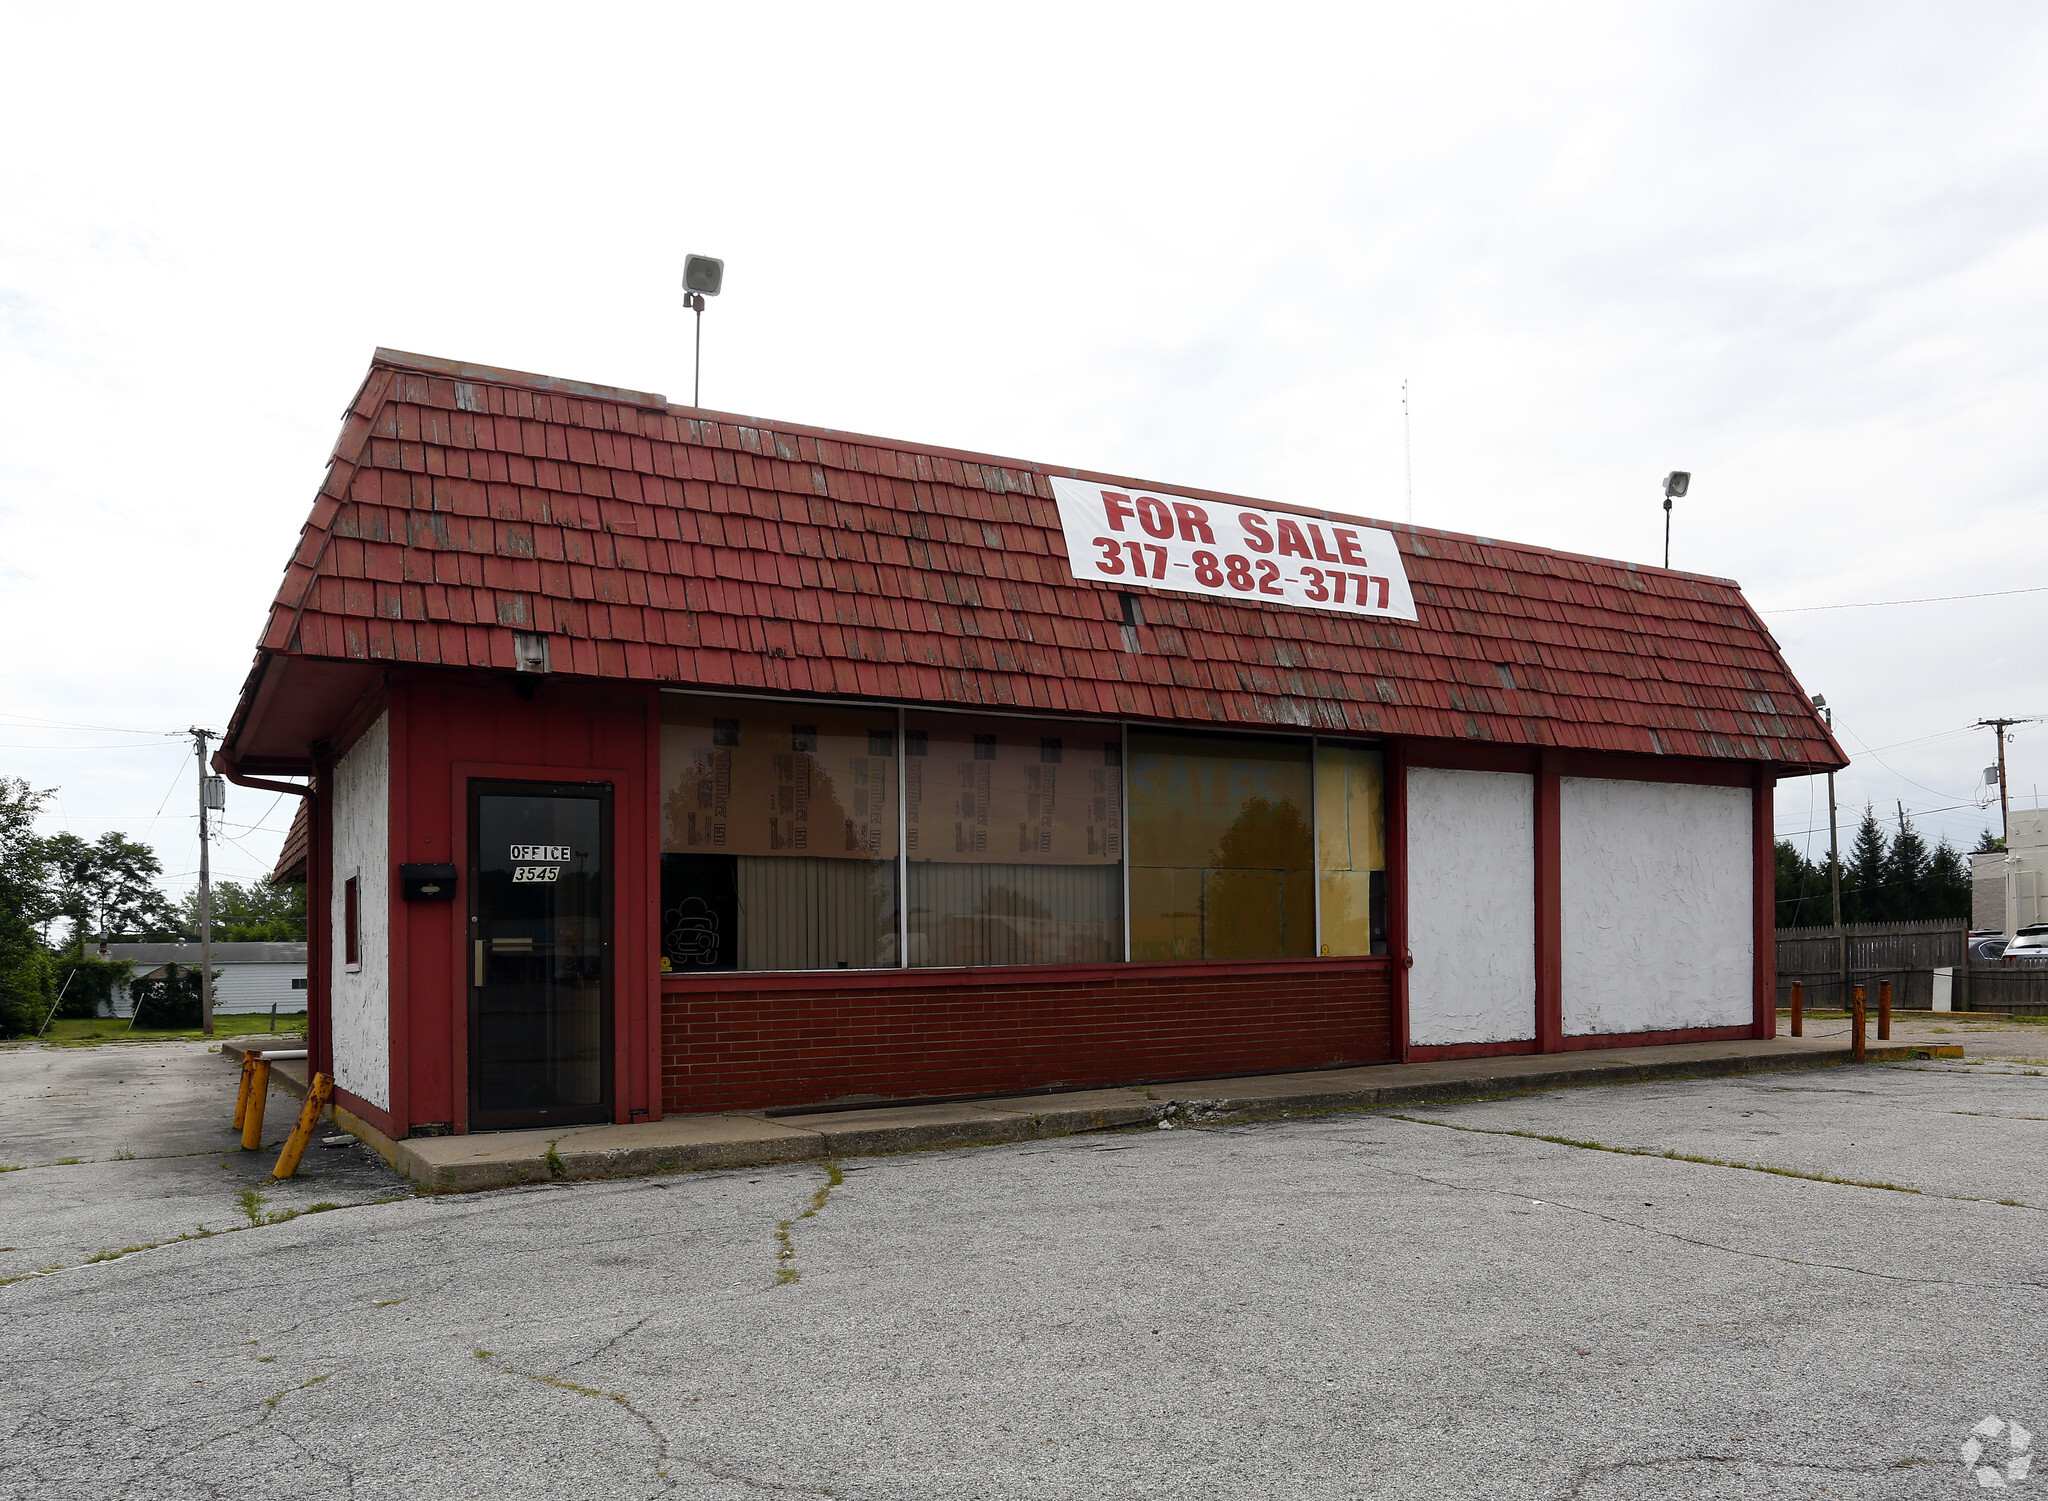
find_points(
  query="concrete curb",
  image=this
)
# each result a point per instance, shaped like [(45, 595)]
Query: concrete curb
[(697, 1143)]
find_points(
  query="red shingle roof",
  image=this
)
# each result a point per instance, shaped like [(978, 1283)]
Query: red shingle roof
[(673, 545)]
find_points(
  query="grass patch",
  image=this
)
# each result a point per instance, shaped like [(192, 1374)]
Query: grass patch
[(786, 1271), (554, 1160), (271, 1402), (252, 1201), (97, 1031)]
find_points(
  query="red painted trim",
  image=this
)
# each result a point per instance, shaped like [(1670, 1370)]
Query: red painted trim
[(397, 926), (1461, 755), (320, 921), (632, 903), (1444, 1052), (1763, 924), (648, 1090), (384, 1120), (1592, 1040), (1619, 767), (768, 982), (1396, 774), (1549, 908)]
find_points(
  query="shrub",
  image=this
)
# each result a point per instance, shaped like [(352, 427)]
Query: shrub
[(170, 1002)]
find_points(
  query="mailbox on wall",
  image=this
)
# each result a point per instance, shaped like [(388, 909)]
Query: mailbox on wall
[(427, 883)]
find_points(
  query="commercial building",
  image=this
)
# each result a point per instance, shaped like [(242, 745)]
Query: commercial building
[(664, 761), (2009, 887)]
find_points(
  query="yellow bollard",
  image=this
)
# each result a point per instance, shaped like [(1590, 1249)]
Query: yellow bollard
[(295, 1146), (259, 1096), (1856, 1015), (242, 1094)]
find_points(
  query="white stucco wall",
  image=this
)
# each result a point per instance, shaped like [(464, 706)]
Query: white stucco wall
[(1471, 906), (360, 1009), (1659, 901)]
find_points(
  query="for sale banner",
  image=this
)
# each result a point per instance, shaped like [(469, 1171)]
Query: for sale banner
[(1153, 541)]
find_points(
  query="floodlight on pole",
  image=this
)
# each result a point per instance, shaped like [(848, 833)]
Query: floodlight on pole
[(703, 276), (1676, 483)]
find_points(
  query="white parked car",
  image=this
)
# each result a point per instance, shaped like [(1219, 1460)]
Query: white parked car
[(2029, 946)]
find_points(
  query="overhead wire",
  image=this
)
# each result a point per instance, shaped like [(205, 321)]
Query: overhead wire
[(1879, 604)]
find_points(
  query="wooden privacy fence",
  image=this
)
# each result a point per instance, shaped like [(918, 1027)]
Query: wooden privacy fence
[(1874, 948), (1907, 954)]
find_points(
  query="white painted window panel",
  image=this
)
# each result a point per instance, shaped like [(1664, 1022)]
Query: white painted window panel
[(1471, 906), (1659, 901), (360, 1008)]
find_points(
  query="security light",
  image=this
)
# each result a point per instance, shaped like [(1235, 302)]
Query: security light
[(1675, 484), (705, 274)]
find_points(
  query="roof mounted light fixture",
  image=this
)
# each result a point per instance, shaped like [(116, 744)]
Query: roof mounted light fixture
[(703, 276), (1676, 483)]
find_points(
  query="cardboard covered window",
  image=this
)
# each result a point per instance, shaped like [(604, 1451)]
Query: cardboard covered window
[(1013, 835), (1222, 858), (1351, 847), (778, 836)]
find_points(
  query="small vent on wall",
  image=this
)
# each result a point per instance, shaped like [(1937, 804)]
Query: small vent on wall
[(529, 651)]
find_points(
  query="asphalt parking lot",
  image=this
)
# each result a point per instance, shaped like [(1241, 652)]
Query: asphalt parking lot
[(1438, 1303)]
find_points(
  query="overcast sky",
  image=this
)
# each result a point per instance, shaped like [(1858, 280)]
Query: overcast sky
[(1799, 250)]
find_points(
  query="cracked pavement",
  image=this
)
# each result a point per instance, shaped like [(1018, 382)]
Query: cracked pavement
[(1345, 1305)]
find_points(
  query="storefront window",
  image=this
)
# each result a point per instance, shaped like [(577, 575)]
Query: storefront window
[(1351, 847), (1221, 853), (1013, 831), (778, 835)]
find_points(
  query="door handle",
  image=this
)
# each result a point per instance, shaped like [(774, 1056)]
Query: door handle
[(479, 961)]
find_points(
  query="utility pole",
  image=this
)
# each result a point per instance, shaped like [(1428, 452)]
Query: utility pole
[(212, 794), (1835, 862), (1999, 727)]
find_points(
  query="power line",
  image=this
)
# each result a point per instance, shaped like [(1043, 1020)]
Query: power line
[(1880, 604)]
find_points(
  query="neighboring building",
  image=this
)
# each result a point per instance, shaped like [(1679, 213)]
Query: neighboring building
[(248, 977), (2009, 890), (668, 761)]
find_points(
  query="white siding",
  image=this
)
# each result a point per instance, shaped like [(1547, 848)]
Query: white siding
[(257, 987), (360, 1008), (1471, 906), (1659, 901), (243, 989)]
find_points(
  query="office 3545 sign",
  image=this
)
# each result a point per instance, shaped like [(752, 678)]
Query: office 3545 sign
[(1151, 541)]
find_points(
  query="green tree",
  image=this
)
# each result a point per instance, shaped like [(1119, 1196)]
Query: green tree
[(108, 888), (255, 913), (1865, 873), (1948, 884), (1989, 843), (24, 904), (1803, 898), (1906, 867)]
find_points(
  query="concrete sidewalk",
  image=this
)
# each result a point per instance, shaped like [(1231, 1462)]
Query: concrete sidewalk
[(682, 1143)]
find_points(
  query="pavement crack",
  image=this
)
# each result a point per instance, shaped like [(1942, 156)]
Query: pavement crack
[(1673, 1235), (1588, 1472), (632, 1328), (663, 1448), (786, 1269)]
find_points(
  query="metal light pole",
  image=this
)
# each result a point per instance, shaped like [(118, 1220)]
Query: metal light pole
[(703, 276), (1676, 483)]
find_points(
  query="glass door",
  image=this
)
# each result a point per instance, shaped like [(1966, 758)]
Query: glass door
[(540, 955)]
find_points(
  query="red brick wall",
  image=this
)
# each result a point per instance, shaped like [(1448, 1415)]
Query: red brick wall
[(799, 1040)]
